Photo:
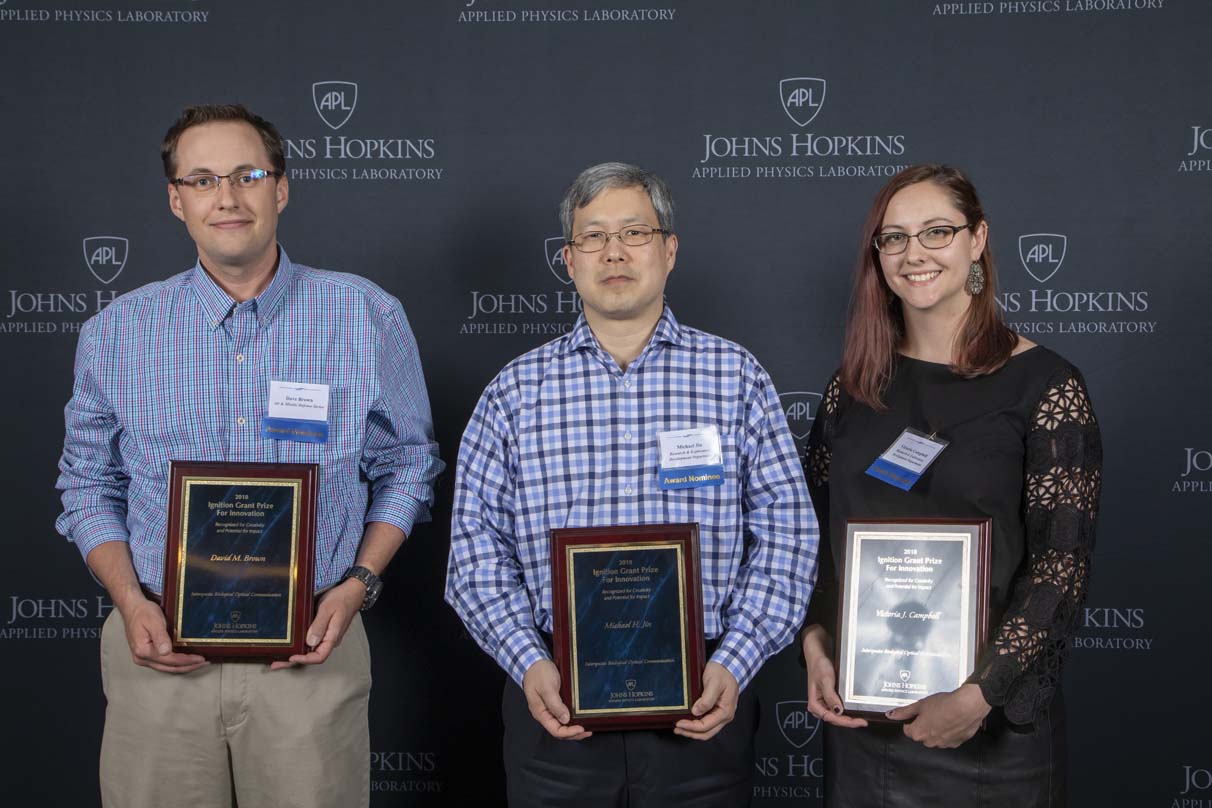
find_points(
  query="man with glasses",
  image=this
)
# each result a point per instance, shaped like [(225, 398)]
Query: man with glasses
[(185, 369), (567, 435)]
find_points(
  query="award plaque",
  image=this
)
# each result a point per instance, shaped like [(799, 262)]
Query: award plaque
[(239, 568), (914, 610), (627, 607)]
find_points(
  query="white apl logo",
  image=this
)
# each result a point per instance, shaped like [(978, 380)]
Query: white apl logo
[(800, 409), (1042, 254), (905, 675), (795, 722), (553, 251), (802, 98), (335, 101), (105, 256)]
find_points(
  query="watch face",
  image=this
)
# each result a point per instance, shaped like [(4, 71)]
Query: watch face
[(372, 594)]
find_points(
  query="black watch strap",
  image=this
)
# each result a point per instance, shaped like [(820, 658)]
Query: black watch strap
[(373, 583)]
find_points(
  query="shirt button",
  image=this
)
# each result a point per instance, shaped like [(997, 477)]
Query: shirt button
[(239, 357), (627, 490), (240, 420), (627, 436), (627, 383)]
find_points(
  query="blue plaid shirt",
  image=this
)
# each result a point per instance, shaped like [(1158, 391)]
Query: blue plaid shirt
[(177, 370), (563, 438)]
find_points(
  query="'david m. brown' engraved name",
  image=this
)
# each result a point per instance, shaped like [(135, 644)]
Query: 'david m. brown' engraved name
[(245, 558)]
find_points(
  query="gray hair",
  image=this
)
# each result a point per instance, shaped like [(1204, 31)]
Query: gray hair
[(595, 179)]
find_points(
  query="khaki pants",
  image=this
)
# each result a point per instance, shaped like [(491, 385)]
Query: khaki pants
[(236, 733)]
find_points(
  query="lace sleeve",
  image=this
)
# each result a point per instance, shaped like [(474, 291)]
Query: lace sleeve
[(1022, 666), (818, 455)]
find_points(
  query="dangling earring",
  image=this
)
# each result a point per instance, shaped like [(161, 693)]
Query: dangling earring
[(976, 279)]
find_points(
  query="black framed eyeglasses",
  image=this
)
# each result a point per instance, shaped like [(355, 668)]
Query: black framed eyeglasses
[(633, 235), (208, 183), (932, 238)]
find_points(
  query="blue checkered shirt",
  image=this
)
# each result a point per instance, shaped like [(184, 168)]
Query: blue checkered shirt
[(563, 438), (177, 370)]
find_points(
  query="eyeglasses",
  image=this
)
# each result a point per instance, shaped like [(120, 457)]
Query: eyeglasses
[(932, 238), (633, 235), (208, 183)]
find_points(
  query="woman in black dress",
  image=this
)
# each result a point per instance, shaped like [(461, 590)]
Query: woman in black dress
[(926, 348)]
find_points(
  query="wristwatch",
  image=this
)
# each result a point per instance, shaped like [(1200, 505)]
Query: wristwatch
[(374, 584)]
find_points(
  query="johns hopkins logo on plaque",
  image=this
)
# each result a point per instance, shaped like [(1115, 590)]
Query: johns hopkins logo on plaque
[(1042, 254), (800, 408), (553, 250), (798, 725), (106, 256), (335, 101), (802, 98)]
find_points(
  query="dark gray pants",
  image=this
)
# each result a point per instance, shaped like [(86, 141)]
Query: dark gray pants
[(633, 769)]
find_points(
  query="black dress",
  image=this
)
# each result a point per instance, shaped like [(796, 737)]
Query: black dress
[(1025, 450)]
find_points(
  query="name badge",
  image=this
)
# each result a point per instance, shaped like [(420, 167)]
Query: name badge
[(907, 459), (297, 412), (690, 458)]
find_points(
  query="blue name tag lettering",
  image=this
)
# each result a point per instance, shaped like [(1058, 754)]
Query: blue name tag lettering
[(294, 429), (690, 477), (893, 474)]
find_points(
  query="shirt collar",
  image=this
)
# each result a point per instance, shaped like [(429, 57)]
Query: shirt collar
[(667, 331), (218, 304)]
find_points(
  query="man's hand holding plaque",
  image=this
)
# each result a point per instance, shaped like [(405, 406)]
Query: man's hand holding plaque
[(240, 560), (629, 632)]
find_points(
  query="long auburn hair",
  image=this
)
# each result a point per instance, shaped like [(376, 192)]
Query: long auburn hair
[(875, 328)]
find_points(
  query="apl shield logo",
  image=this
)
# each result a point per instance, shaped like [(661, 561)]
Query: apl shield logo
[(105, 256), (631, 684), (795, 722), (553, 250), (905, 675), (335, 101), (1042, 254), (800, 409), (235, 617), (802, 98)]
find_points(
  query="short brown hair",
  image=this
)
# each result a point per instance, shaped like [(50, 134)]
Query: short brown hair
[(210, 113), (876, 325)]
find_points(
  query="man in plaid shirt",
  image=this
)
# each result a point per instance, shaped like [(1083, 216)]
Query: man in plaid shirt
[(185, 369), (567, 436)]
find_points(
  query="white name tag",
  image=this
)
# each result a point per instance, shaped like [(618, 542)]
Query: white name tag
[(914, 451), (904, 462), (298, 402), (684, 448), (690, 458)]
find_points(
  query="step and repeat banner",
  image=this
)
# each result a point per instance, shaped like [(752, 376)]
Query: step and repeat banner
[(428, 145)]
